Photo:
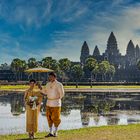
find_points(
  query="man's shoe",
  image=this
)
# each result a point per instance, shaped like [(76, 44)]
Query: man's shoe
[(55, 134), (49, 135)]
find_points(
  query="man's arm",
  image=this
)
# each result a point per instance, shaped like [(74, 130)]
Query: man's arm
[(61, 90)]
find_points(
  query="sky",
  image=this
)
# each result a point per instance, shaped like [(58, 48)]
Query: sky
[(58, 28)]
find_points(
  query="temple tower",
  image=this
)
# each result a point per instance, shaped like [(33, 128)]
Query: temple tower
[(84, 52)]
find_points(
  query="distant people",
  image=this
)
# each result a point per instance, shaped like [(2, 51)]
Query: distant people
[(33, 101), (54, 91)]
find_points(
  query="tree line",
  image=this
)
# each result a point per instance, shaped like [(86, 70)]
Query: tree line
[(67, 70)]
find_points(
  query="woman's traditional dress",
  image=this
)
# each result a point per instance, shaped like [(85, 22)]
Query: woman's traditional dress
[(32, 114)]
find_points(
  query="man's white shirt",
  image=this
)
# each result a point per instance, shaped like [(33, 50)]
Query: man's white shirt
[(55, 92)]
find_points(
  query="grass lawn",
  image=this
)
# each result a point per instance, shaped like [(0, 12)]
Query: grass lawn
[(106, 87), (129, 132), (10, 87), (23, 87)]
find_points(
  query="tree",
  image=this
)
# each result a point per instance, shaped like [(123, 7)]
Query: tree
[(15, 66), (77, 73), (32, 63), (46, 62), (49, 62), (111, 72), (55, 65), (18, 66), (64, 65), (90, 65), (22, 67), (4, 66), (103, 69), (96, 71)]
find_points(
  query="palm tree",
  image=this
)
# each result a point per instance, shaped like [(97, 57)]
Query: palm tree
[(77, 73), (55, 65), (103, 69), (96, 71), (90, 65), (64, 65), (23, 67), (15, 66), (4, 66), (46, 62), (49, 62), (111, 72), (32, 63), (18, 66)]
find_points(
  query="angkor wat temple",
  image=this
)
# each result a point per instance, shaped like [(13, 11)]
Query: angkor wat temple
[(126, 65)]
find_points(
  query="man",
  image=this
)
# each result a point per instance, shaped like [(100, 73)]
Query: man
[(54, 91)]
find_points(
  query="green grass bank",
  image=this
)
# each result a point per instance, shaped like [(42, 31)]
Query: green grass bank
[(127, 132), (11, 87)]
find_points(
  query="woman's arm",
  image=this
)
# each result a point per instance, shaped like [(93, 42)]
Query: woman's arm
[(25, 96), (43, 91)]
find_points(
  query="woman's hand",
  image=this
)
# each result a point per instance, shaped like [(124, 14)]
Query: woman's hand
[(39, 85)]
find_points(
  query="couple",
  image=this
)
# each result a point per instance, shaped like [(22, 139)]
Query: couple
[(33, 98)]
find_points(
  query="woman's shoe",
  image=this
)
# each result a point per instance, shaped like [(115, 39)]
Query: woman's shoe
[(33, 136), (30, 135)]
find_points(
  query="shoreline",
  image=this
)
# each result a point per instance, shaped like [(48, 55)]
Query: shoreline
[(81, 90)]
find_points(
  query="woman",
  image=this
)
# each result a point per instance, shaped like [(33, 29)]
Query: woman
[(32, 100)]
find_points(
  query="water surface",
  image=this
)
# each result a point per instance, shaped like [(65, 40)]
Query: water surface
[(78, 110)]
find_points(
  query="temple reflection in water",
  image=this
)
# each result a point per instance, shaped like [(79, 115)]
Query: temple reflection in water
[(92, 106)]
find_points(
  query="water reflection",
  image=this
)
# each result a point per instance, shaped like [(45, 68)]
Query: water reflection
[(17, 105), (78, 110)]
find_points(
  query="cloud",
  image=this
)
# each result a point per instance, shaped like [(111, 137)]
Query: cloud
[(41, 12), (61, 51), (65, 44), (11, 47), (76, 21), (125, 23), (26, 12)]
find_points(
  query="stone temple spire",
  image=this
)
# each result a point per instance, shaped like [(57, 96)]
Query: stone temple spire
[(137, 52), (84, 52), (112, 48), (130, 51), (96, 52)]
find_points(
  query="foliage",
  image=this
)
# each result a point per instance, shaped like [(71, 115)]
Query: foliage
[(64, 65), (49, 62), (90, 64), (77, 73), (65, 69), (32, 63)]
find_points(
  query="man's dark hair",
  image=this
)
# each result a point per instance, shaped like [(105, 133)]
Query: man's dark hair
[(52, 74), (32, 80)]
